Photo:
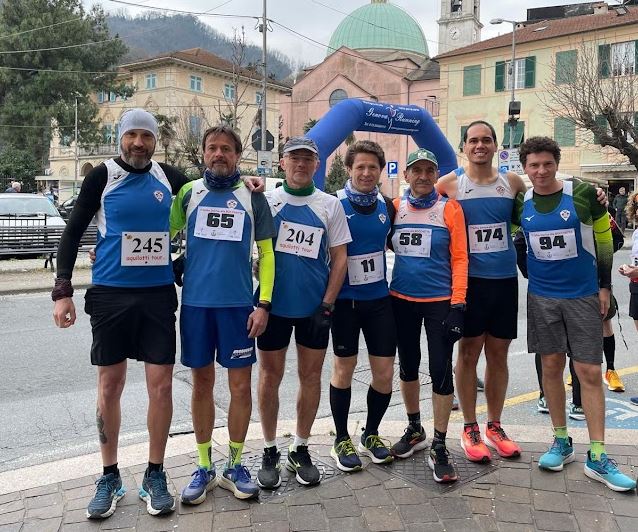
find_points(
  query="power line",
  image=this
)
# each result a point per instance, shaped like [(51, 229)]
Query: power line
[(40, 28), (184, 12)]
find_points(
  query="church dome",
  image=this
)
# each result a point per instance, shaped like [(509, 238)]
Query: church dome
[(379, 26)]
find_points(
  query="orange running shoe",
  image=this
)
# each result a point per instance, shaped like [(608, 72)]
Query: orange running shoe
[(475, 449), (496, 438)]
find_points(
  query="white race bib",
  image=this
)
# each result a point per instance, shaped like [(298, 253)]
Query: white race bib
[(299, 239), (488, 238), (412, 242), (365, 269), (219, 223), (145, 249), (554, 245)]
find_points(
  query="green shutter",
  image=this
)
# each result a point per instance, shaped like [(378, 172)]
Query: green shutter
[(564, 131), (601, 124), (463, 130), (519, 132), (530, 72), (635, 57), (566, 66), (499, 78), (472, 80), (604, 60)]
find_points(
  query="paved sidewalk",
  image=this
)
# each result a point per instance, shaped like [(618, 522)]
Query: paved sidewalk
[(30, 275), (507, 495)]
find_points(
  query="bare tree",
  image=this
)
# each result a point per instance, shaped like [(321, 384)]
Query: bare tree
[(596, 88), (189, 126)]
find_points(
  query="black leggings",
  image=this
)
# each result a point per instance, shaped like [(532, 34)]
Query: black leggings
[(575, 382), (409, 316)]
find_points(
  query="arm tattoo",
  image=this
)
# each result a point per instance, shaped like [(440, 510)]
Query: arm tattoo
[(100, 426)]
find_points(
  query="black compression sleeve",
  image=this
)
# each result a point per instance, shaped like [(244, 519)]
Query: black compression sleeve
[(86, 206), (391, 213)]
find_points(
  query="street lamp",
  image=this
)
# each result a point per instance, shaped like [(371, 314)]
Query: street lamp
[(514, 106)]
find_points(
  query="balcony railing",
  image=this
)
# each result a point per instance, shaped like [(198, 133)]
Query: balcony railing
[(84, 151)]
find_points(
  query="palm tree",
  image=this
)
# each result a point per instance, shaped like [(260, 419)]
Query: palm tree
[(166, 132)]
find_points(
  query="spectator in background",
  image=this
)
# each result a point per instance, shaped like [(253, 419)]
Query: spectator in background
[(619, 203), (15, 187)]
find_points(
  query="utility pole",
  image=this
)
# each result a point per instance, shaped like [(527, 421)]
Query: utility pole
[(264, 30), (77, 159)]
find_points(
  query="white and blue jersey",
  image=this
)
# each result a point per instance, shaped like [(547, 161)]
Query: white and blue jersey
[(561, 256), (133, 245), (488, 213), (307, 227), (220, 234), (367, 270)]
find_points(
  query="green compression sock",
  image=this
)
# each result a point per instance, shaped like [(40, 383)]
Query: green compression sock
[(560, 432), (204, 451), (597, 449)]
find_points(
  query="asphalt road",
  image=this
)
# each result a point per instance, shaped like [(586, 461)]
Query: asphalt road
[(47, 390)]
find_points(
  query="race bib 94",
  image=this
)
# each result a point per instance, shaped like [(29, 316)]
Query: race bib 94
[(554, 245), (299, 239), (145, 249)]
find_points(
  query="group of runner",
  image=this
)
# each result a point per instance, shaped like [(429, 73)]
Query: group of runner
[(322, 268)]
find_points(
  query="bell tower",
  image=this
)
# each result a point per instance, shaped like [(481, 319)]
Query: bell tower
[(460, 24)]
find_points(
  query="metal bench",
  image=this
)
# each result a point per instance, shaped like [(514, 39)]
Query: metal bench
[(33, 236)]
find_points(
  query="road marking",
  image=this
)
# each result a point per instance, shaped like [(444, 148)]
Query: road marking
[(530, 396)]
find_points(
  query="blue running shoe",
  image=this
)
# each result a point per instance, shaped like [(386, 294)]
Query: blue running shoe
[(154, 492), (202, 482), (606, 471), (237, 479), (108, 490), (345, 456), (560, 453)]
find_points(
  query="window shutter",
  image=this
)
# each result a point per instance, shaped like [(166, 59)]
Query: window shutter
[(530, 72), (499, 78), (463, 130), (472, 80), (604, 60), (519, 133), (566, 66), (564, 131), (635, 57), (601, 123)]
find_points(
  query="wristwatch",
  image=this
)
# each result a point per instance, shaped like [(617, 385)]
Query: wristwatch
[(267, 306), (459, 306)]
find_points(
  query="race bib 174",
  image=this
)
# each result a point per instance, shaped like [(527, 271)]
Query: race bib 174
[(488, 238)]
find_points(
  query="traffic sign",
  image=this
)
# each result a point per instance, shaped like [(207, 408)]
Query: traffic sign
[(393, 169), (256, 140), (264, 162), (509, 161)]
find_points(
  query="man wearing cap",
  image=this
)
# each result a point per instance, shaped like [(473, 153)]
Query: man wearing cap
[(132, 301), (310, 265), (428, 288)]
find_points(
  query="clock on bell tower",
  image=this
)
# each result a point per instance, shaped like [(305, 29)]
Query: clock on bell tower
[(460, 24)]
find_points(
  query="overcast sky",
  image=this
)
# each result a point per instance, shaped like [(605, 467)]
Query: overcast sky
[(317, 19)]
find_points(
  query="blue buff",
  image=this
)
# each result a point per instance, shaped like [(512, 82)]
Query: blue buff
[(362, 199), (425, 202), (220, 181)]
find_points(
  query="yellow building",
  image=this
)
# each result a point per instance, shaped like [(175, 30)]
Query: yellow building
[(476, 85), (195, 87)]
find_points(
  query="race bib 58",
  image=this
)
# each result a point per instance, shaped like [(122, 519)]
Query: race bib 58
[(412, 242)]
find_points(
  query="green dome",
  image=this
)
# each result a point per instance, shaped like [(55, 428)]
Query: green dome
[(378, 26)]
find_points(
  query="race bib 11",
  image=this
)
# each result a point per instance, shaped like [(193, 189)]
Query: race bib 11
[(365, 269), (145, 249)]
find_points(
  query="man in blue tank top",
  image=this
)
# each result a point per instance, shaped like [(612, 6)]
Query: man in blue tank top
[(363, 305), (569, 261), (310, 265)]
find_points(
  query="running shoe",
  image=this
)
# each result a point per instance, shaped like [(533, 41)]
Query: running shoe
[(606, 471), (473, 446), (496, 438), (455, 403), (345, 456), (374, 447), (541, 405), (634, 400), (237, 479), (439, 463), (480, 385), (108, 490), (560, 453), (576, 412), (299, 462), (202, 481), (269, 477), (154, 492), (411, 441), (613, 382)]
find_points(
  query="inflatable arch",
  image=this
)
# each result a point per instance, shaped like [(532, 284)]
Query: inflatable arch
[(353, 114)]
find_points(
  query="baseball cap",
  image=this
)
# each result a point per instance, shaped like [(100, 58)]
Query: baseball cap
[(301, 143), (421, 155)]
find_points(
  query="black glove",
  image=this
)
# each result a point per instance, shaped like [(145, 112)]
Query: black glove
[(178, 269), (453, 324), (321, 319)]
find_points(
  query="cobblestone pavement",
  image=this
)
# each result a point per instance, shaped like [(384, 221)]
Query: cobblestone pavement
[(509, 496)]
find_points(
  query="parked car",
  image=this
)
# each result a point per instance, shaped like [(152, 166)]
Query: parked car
[(66, 207)]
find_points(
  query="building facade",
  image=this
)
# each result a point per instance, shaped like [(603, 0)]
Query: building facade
[(193, 87), (460, 24)]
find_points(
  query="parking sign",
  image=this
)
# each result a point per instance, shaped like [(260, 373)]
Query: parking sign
[(393, 169)]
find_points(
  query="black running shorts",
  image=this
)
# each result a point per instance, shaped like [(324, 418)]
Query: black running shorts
[(373, 317), (279, 329), (137, 323), (492, 308)]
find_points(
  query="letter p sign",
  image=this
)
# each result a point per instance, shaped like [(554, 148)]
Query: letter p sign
[(393, 169)]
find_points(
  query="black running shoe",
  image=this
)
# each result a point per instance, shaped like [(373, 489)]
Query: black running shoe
[(345, 456), (375, 448), (108, 490), (268, 476), (154, 492), (299, 462), (439, 462), (411, 441)]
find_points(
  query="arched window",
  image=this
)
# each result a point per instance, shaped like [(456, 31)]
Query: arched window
[(336, 96)]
